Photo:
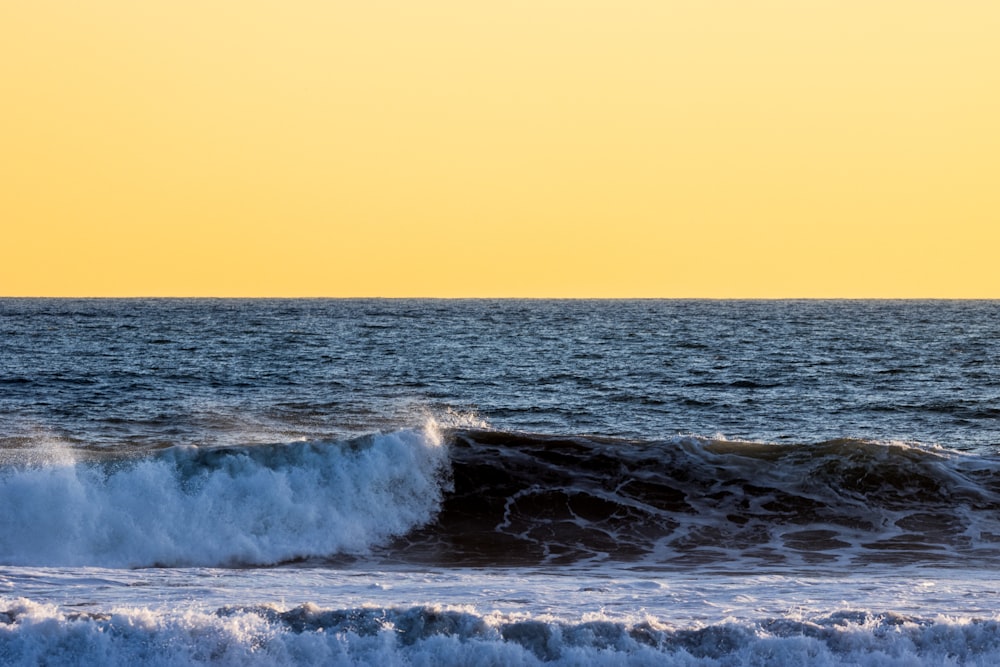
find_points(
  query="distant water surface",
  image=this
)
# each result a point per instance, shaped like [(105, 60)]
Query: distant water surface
[(165, 372)]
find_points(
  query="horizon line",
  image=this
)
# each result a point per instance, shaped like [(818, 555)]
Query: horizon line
[(501, 298)]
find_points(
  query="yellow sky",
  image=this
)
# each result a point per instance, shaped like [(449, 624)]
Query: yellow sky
[(644, 148)]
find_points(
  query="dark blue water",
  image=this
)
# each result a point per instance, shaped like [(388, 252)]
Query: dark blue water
[(142, 373)]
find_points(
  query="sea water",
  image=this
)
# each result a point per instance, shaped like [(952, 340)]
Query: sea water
[(427, 482)]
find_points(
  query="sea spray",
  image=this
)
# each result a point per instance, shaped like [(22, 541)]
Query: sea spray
[(226, 506)]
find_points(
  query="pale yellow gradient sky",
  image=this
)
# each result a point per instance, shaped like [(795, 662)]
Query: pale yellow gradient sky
[(623, 148)]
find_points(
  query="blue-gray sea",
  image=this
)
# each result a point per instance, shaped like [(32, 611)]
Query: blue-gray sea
[(499, 482)]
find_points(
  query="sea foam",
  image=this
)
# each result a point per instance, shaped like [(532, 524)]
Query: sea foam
[(231, 506), (32, 633)]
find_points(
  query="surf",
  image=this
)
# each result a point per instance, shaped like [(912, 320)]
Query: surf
[(232, 506), (426, 634), (456, 496)]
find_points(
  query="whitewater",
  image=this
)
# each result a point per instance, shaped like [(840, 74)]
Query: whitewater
[(418, 482)]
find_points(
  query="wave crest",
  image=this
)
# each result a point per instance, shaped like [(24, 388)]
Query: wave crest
[(225, 506)]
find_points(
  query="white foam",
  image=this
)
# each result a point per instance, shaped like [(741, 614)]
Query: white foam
[(323, 616), (249, 506), (35, 633)]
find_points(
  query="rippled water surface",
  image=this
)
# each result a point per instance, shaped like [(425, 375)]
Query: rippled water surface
[(164, 372)]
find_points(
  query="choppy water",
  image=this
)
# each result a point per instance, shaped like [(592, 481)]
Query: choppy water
[(499, 482)]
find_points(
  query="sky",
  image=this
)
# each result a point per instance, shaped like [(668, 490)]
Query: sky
[(515, 148)]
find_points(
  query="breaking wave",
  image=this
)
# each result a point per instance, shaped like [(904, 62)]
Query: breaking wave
[(226, 506), (470, 496)]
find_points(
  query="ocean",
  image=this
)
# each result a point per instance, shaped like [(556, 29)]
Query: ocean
[(499, 482)]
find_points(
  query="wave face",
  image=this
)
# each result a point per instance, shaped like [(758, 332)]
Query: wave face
[(223, 506), (492, 498), (31, 633), (521, 499)]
